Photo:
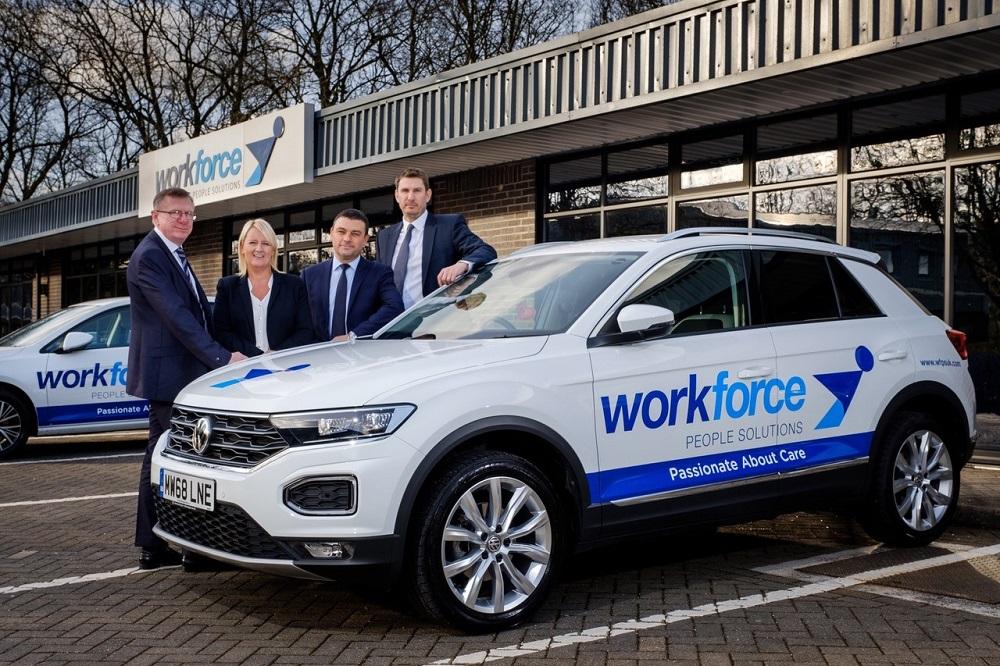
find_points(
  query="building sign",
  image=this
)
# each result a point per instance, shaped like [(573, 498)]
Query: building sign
[(272, 151)]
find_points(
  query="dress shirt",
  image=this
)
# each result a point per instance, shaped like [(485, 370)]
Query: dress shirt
[(413, 287), (260, 314), (334, 279)]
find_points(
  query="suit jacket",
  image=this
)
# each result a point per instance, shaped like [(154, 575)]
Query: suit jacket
[(447, 238), (373, 302), (288, 321), (171, 342)]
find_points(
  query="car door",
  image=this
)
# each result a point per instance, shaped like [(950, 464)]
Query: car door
[(681, 417), (831, 335), (85, 388)]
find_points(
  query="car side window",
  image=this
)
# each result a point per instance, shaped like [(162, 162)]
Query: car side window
[(110, 329), (706, 291), (854, 300), (796, 287)]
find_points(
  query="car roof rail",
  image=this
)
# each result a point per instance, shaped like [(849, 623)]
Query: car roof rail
[(746, 231)]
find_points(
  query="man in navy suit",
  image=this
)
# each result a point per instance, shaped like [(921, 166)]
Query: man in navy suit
[(424, 250), (171, 341), (349, 295)]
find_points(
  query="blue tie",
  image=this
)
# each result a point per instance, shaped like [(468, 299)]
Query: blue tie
[(340, 304), (190, 280)]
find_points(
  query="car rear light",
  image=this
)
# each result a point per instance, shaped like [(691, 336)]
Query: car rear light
[(958, 340)]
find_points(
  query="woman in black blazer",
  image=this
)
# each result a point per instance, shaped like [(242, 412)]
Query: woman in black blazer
[(261, 309)]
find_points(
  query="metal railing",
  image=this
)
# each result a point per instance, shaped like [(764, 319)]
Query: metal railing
[(604, 68), (109, 198)]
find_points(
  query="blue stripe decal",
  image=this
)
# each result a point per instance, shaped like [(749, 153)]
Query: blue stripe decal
[(97, 412), (626, 482)]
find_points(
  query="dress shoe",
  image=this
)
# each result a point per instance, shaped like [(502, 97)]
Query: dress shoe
[(154, 559), (193, 563)]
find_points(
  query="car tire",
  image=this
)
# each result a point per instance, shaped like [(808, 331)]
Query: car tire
[(914, 492), (15, 424), (488, 543)]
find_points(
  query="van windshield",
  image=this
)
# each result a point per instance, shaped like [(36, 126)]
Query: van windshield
[(516, 297)]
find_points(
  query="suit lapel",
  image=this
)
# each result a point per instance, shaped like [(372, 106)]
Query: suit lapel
[(430, 228), (245, 300), (360, 275), (274, 296), (391, 238), (321, 296)]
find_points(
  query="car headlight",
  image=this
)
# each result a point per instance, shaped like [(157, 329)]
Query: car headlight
[(341, 424)]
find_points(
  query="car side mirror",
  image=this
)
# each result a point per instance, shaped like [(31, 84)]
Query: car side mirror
[(638, 317), (75, 341)]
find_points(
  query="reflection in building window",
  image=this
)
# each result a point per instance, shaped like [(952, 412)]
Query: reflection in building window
[(924, 264), (905, 213), (897, 134), (796, 149), (574, 227), (887, 262), (719, 212), (980, 120), (637, 190), (811, 210), (634, 221), (898, 153), (712, 162), (574, 184), (797, 167), (977, 254)]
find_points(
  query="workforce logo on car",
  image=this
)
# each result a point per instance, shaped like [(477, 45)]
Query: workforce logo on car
[(843, 385)]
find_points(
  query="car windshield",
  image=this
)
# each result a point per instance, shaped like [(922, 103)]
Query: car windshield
[(43, 329), (518, 297)]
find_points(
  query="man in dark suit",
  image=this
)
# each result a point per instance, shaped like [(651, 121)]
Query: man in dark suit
[(171, 341), (424, 250), (349, 295)]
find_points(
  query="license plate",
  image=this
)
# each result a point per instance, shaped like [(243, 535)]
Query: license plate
[(187, 490)]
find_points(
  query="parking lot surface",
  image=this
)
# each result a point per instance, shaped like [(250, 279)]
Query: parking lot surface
[(805, 588)]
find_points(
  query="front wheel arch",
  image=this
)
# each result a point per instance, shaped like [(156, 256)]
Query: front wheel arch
[(541, 445)]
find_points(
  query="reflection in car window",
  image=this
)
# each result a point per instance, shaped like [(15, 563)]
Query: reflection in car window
[(706, 291), (854, 301), (518, 297)]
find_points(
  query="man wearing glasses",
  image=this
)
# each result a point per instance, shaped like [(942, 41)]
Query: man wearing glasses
[(171, 342)]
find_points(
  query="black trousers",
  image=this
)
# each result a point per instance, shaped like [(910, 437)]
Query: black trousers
[(145, 515)]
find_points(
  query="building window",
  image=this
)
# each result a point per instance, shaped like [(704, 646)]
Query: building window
[(810, 210), (304, 234), (796, 149), (712, 162), (16, 290), (605, 188), (976, 272), (979, 120), (728, 211), (97, 271), (898, 134), (905, 215)]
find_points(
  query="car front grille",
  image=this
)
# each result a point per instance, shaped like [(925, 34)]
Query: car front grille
[(239, 440), (228, 528)]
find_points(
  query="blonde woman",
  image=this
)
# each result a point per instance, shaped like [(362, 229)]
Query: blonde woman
[(261, 309)]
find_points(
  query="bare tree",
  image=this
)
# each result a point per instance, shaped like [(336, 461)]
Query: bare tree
[(39, 123)]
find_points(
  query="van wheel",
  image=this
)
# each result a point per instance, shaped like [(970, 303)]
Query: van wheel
[(915, 489), (15, 424), (488, 543)]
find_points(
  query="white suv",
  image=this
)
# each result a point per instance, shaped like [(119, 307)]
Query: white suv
[(569, 395)]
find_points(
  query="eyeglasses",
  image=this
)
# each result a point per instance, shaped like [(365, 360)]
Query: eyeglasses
[(177, 214)]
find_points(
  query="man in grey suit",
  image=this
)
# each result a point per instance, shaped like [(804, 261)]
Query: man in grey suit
[(425, 250), (171, 341)]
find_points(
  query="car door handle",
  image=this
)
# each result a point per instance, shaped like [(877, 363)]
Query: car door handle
[(892, 355), (754, 372)]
